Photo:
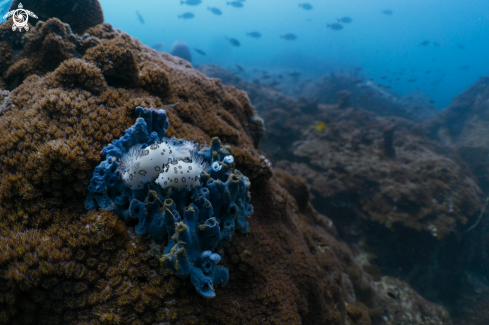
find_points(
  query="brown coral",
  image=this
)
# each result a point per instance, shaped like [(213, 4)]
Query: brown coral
[(63, 265)]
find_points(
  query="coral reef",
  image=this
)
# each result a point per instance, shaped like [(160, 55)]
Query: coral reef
[(402, 305), (181, 50), (382, 180), (79, 14), (464, 125), (409, 205), (141, 180), (60, 264)]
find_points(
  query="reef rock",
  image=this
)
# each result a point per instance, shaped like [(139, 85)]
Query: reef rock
[(62, 264)]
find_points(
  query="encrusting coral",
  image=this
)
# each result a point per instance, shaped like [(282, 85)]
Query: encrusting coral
[(60, 264)]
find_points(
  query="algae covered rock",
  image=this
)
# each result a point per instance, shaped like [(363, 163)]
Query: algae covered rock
[(62, 264)]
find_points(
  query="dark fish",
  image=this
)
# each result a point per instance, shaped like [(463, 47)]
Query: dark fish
[(305, 5), (191, 2), (187, 15), (465, 67), (235, 4), (335, 26), (294, 74), (158, 46), (254, 34), (436, 44), (234, 42), (383, 77), (345, 20), (461, 47), (387, 12), (240, 68), (289, 37), (140, 17), (428, 71), (266, 77), (424, 43), (215, 10), (200, 52), (412, 80)]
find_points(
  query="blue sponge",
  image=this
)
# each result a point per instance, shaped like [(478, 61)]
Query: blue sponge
[(194, 221)]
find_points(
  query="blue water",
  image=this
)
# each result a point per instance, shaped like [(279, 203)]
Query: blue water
[(382, 45)]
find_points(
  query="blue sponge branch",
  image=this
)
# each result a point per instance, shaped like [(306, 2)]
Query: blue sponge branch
[(192, 200)]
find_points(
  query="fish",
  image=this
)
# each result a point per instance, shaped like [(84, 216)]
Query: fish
[(305, 5), (289, 37), (412, 80), (461, 47), (141, 19), (187, 15), (266, 77), (437, 44), (234, 42), (345, 20), (158, 46), (321, 126), (335, 26), (427, 71), (239, 67), (387, 12), (424, 43), (294, 74), (254, 34), (200, 52), (191, 2), (235, 4), (215, 10), (465, 67)]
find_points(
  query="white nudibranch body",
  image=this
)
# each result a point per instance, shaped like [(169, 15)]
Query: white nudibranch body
[(142, 165), (168, 163), (180, 174)]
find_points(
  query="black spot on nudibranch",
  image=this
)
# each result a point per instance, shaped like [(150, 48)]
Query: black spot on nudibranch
[(180, 166), (142, 172), (145, 153), (130, 177), (176, 180), (190, 167), (157, 168), (183, 180), (154, 146)]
